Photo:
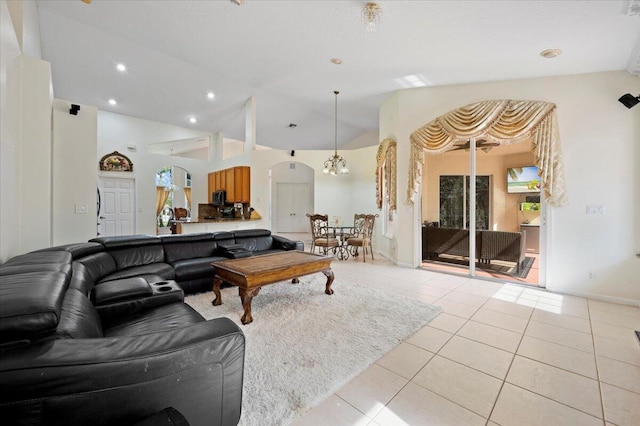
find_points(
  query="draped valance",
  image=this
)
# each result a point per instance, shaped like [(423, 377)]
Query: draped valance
[(386, 171), (501, 121)]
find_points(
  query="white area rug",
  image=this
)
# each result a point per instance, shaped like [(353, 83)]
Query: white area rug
[(304, 345)]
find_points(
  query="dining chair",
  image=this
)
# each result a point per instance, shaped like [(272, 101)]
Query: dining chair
[(363, 238), (320, 235)]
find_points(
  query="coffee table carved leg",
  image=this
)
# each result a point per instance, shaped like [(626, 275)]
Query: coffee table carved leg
[(216, 290), (295, 281), (246, 296), (329, 274)]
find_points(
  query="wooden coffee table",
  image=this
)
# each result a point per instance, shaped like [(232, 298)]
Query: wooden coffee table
[(251, 273)]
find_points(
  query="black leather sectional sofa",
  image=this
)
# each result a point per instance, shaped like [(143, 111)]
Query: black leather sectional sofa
[(98, 333)]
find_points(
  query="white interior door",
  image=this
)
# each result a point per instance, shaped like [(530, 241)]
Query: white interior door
[(293, 203), (117, 206)]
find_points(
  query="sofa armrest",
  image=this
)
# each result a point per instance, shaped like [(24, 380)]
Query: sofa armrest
[(197, 369), (286, 244)]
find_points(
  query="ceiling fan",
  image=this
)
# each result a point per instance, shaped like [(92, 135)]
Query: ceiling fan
[(481, 144)]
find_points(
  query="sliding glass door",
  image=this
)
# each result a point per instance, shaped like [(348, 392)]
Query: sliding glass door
[(503, 241)]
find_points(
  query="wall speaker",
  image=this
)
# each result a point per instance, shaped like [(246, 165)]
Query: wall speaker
[(74, 109), (629, 100), (293, 152)]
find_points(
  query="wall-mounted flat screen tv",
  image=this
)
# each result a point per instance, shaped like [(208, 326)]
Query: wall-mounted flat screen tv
[(523, 179)]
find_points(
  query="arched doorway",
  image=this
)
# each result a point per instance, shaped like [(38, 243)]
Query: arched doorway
[(471, 215), (173, 191)]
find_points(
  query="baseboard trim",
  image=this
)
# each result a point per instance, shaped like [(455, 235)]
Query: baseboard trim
[(596, 296)]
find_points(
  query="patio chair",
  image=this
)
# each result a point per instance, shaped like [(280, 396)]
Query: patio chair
[(320, 233)]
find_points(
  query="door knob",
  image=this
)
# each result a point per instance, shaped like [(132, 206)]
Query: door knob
[(102, 217)]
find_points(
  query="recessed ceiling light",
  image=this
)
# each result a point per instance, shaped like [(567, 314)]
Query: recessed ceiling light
[(211, 95), (192, 119), (121, 67), (550, 53), (336, 61), (112, 102)]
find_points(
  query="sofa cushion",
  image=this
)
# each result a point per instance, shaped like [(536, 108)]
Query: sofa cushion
[(163, 270), (39, 258), (189, 246), (30, 304), (162, 318), (189, 269), (79, 319)]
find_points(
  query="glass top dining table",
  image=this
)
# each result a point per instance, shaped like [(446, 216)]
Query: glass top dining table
[(342, 234)]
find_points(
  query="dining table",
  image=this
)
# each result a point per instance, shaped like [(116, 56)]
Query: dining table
[(342, 234)]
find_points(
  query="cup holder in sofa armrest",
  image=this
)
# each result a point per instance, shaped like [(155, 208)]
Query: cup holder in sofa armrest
[(158, 293), (160, 287)]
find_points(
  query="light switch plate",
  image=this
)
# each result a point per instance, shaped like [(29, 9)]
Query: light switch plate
[(81, 209)]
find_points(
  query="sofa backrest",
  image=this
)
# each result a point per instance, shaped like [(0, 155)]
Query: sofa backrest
[(255, 240), (77, 250), (79, 319), (188, 246), (133, 250), (31, 305), (96, 265)]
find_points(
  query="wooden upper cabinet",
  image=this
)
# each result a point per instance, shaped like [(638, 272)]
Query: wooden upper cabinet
[(242, 177), (236, 181), (231, 186)]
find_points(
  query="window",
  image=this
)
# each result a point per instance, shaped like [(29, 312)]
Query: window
[(454, 202)]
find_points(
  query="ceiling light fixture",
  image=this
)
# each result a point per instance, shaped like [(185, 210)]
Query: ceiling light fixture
[(192, 120), (211, 95), (112, 102), (372, 16), (629, 100), (335, 164), (238, 2), (336, 61), (550, 53), (121, 67)]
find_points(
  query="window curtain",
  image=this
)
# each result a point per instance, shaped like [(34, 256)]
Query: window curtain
[(501, 121), (162, 195), (386, 172), (187, 194)]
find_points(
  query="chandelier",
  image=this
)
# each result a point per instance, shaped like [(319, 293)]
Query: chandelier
[(371, 15), (335, 164)]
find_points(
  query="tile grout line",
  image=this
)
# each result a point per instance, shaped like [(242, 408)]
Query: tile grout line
[(595, 360)]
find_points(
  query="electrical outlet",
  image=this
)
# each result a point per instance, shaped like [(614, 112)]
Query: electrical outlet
[(591, 276), (81, 209)]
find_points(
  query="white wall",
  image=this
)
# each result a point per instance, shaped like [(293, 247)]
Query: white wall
[(74, 175), (116, 131), (9, 138), (600, 140)]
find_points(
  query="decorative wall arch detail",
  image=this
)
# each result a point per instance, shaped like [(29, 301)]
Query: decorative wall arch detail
[(116, 162), (501, 121), (386, 170)]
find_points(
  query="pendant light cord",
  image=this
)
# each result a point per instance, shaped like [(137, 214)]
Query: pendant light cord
[(336, 125)]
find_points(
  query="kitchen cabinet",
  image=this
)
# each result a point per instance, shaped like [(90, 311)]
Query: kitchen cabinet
[(236, 181)]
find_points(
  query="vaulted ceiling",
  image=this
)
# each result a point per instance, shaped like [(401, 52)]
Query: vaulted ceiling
[(279, 53)]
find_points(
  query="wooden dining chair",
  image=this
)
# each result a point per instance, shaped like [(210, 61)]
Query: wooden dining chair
[(320, 235), (364, 237)]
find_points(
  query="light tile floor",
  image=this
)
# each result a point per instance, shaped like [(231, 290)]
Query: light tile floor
[(499, 354)]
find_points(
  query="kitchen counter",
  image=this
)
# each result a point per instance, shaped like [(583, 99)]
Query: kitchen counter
[(214, 225)]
